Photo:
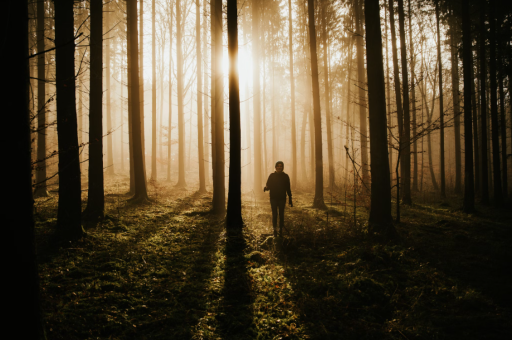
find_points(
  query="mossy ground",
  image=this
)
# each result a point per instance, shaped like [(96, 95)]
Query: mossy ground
[(168, 270)]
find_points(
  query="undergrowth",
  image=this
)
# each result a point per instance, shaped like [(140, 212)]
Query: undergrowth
[(169, 270)]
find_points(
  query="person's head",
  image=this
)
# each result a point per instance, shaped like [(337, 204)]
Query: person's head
[(279, 166)]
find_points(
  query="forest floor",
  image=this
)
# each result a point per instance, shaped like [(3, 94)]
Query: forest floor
[(168, 270)]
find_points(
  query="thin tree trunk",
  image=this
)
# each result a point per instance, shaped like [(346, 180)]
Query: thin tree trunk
[(153, 93), (69, 206), (219, 191), (362, 95), (441, 105), (292, 91), (469, 193), (96, 196), (398, 95), (456, 104), (234, 211), (206, 130), (41, 187), (406, 151), (503, 122), (413, 102), (256, 46), (380, 220), (169, 134), (199, 59), (140, 193), (498, 190), (181, 114), (327, 101), (141, 82), (483, 109), (110, 153), (318, 201), (476, 149)]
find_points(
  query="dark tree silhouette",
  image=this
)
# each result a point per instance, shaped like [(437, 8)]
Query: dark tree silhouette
[(441, 105), (234, 212), (69, 210), (467, 59), (181, 113), (483, 109), (380, 220), (153, 93), (200, 143), (96, 196), (292, 91), (41, 189), (24, 318)]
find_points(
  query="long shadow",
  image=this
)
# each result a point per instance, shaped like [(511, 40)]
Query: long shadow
[(150, 285), (235, 313)]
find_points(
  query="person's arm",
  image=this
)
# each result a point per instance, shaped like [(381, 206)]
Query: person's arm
[(289, 191), (267, 185)]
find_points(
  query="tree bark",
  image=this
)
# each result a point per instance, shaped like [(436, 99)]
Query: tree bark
[(169, 134), (199, 59), (181, 114), (327, 100), (234, 211), (70, 201), (23, 300), (456, 103), (140, 194), (363, 129), (292, 91), (41, 187), (380, 220), (406, 150), (206, 130), (483, 110), (441, 104), (110, 153), (219, 190), (496, 167), (503, 122), (467, 59), (256, 46), (318, 201), (413, 102), (153, 94), (96, 196)]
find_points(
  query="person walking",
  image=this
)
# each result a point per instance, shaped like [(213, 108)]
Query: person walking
[(278, 184)]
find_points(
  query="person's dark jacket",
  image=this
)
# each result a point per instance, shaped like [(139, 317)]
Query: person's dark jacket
[(279, 185)]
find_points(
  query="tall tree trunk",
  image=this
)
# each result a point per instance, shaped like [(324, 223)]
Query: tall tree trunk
[(110, 153), (413, 102), (292, 84), (41, 188), (456, 104), (181, 114), (398, 94), (319, 167), (361, 79), (503, 122), (206, 130), (483, 109), (140, 193), (498, 190), (476, 150), (256, 46), (406, 151), (388, 97), (141, 82), (23, 300), (219, 190), (327, 100), (96, 196), (199, 59), (169, 133), (153, 94), (441, 105), (467, 59), (380, 220), (234, 212), (70, 201)]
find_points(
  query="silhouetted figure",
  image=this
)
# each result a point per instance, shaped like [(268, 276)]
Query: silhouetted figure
[(279, 185)]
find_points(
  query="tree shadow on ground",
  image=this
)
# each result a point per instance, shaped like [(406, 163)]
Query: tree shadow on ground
[(141, 277), (235, 314)]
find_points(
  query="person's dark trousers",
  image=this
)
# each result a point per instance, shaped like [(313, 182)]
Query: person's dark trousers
[(278, 204)]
